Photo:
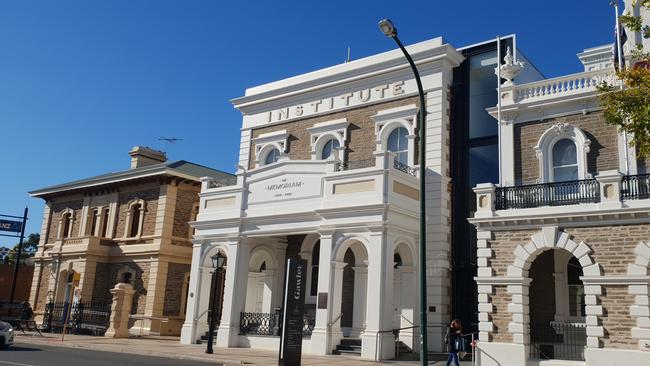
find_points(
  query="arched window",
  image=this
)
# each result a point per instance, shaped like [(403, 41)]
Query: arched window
[(272, 156), (104, 231), (67, 225), (135, 220), (565, 161), (562, 153), (315, 254), (328, 148), (398, 143), (93, 222)]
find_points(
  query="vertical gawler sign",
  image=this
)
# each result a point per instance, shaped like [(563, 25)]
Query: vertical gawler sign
[(294, 307)]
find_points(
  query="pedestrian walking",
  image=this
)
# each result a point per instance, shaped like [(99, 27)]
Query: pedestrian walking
[(454, 341)]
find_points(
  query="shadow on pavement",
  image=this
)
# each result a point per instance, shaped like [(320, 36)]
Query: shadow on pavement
[(20, 349)]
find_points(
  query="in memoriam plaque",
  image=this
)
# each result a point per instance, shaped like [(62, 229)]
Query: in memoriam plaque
[(294, 308)]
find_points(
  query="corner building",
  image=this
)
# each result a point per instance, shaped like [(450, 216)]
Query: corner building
[(127, 226), (328, 172), (563, 242)]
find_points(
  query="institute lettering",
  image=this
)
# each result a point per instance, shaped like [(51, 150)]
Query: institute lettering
[(341, 101)]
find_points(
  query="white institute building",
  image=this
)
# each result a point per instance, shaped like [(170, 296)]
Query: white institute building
[(552, 263), (328, 172)]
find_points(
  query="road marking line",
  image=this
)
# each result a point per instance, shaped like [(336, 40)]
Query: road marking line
[(15, 363)]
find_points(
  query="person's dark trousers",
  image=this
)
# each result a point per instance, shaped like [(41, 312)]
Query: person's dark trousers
[(453, 356)]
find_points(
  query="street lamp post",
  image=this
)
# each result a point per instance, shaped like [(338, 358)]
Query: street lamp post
[(218, 261), (389, 30)]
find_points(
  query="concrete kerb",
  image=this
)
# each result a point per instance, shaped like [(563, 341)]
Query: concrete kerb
[(110, 345), (169, 347)]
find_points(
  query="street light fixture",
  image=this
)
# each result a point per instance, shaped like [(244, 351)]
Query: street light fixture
[(387, 27), (218, 261)]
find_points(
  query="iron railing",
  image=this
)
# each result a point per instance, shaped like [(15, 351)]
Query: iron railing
[(635, 187), (85, 317), (558, 341), (269, 324), (547, 194), (404, 168), (259, 323)]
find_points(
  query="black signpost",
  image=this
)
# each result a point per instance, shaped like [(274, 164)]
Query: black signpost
[(293, 311), (16, 227)]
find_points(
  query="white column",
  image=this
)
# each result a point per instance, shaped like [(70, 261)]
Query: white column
[(320, 339), (376, 345), (188, 332), (234, 294), (278, 281), (359, 304), (507, 153)]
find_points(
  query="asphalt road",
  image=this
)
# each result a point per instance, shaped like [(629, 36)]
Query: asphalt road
[(32, 355)]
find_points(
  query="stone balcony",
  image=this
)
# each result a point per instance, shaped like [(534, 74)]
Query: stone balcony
[(318, 189), (608, 193), (564, 87)]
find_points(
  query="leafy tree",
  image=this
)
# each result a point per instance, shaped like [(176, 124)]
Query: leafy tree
[(30, 246), (629, 107)]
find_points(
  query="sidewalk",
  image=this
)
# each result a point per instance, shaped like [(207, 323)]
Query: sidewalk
[(170, 347)]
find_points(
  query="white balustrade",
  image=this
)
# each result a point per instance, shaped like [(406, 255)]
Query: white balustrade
[(562, 86)]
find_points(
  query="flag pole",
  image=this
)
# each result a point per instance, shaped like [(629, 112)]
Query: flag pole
[(621, 66), (499, 107)]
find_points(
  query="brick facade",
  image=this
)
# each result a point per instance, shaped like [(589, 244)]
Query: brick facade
[(361, 133), (616, 319), (106, 277), (612, 247), (183, 213), (57, 208), (603, 152), (501, 317), (176, 273), (150, 196)]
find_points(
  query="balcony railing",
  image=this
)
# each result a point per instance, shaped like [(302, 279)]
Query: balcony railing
[(547, 194), (635, 187), (583, 82), (404, 168), (268, 324)]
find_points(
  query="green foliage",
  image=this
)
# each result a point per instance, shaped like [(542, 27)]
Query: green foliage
[(30, 246), (629, 108)]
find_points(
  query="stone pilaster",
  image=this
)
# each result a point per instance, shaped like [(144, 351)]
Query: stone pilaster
[(120, 310)]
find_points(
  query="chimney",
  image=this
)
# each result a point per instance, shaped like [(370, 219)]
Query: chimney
[(143, 156)]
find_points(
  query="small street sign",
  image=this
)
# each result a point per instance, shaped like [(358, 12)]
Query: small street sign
[(9, 225)]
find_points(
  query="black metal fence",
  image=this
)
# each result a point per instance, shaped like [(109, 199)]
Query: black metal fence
[(269, 324), (635, 187), (558, 341), (547, 194), (85, 317)]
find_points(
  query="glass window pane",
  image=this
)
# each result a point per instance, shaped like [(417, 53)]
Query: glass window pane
[(564, 153), (329, 147), (483, 165), (482, 94), (272, 157), (565, 173), (398, 143)]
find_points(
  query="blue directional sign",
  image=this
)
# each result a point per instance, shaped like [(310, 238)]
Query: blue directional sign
[(8, 225)]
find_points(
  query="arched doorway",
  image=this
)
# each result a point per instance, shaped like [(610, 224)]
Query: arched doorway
[(404, 294), (353, 288), (557, 307), (261, 280)]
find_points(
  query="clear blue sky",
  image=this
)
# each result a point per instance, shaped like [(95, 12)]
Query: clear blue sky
[(81, 82)]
